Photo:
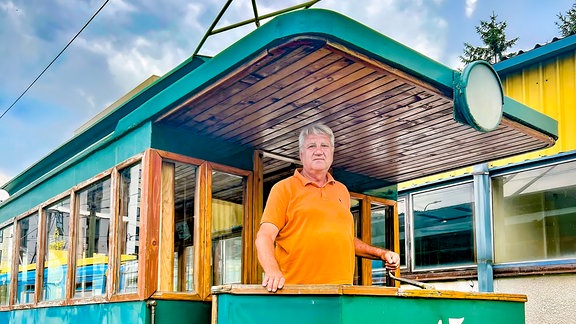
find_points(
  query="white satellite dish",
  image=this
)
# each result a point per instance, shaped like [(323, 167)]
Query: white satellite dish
[(4, 195)]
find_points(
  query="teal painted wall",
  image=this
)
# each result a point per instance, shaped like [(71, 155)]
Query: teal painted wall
[(125, 312), (78, 170), (132, 312), (201, 147)]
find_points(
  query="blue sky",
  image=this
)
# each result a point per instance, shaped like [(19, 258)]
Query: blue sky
[(130, 40)]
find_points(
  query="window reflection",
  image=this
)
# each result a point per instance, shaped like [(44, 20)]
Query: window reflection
[(56, 252), (535, 214), (129, 228), (184, 193), (227, 224), (382, 221), (27, 253), (93, 232), (6, 241), (443, 227)]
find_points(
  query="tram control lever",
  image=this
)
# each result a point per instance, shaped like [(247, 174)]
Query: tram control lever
[(409, 281)]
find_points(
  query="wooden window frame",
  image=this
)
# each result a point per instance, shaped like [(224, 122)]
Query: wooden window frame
[(366, 232), (202, 226), (110, 294)]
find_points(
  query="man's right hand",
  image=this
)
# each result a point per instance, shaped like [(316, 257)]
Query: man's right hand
[(273, 281)]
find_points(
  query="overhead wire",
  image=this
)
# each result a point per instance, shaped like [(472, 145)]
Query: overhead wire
[(54, 59)]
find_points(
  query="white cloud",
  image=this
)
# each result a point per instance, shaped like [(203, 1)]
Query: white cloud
[(470, 7), (3, 178), (413, 23)]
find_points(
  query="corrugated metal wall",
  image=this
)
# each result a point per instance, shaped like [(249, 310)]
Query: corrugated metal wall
[(549, 87)]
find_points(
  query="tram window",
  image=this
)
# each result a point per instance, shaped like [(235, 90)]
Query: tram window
[(129, 228), (534, 214), (381, 224), (443, 227), (6, 263), (27, 253), (227, 224), (177, 251), (56, 252), (93, 230)]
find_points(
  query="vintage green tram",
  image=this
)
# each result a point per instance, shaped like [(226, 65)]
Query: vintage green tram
[(148, 214)]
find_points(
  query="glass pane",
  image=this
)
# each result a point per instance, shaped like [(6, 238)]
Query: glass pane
[(129, 228), (27, 253), (56, 253), (443, 227), (184, 194), (227, 224), (93, 231), (380, 217), (7, 239), (535, 214), (402, 224)]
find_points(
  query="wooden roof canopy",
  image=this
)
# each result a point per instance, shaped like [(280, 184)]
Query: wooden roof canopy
[(391, 109)]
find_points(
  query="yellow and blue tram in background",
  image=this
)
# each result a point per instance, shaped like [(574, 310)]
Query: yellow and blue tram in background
[(149, 213)]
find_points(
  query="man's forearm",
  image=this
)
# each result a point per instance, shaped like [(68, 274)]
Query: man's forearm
[(365, 250)]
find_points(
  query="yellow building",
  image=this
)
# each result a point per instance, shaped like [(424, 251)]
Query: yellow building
[(524, 241)]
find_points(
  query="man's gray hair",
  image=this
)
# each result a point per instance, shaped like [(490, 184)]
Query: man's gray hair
[(316, 129)]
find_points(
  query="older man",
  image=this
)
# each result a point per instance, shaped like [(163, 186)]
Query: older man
[(306, 234)]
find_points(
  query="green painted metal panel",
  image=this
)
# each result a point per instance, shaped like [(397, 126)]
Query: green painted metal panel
[(278, 309), (385, 309), (178, 311), (525, 115), (349, 309)]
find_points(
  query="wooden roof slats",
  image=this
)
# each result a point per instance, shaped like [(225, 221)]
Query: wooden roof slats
[(388, 124), (288, 95), (252, 99), (281, 134), (231, 86), (283, 121)]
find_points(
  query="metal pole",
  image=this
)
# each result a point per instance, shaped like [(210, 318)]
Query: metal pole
[(209, 32), (256, 13), (275, 13), (152, 305), (483, 228)]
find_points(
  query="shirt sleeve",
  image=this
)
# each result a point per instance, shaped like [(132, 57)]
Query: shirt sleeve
[(276, 206)]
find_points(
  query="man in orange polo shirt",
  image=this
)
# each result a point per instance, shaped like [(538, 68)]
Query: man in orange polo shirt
[(306, 233)]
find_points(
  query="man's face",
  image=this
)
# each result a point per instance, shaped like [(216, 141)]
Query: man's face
[(317, 153)]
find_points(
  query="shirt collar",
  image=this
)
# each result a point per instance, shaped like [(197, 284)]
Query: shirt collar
[(306, 181)]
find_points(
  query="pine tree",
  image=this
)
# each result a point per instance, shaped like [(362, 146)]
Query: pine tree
[(493, 35), (567, 22)]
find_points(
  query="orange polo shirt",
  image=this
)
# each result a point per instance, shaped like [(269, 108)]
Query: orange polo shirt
[(315, 244)]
